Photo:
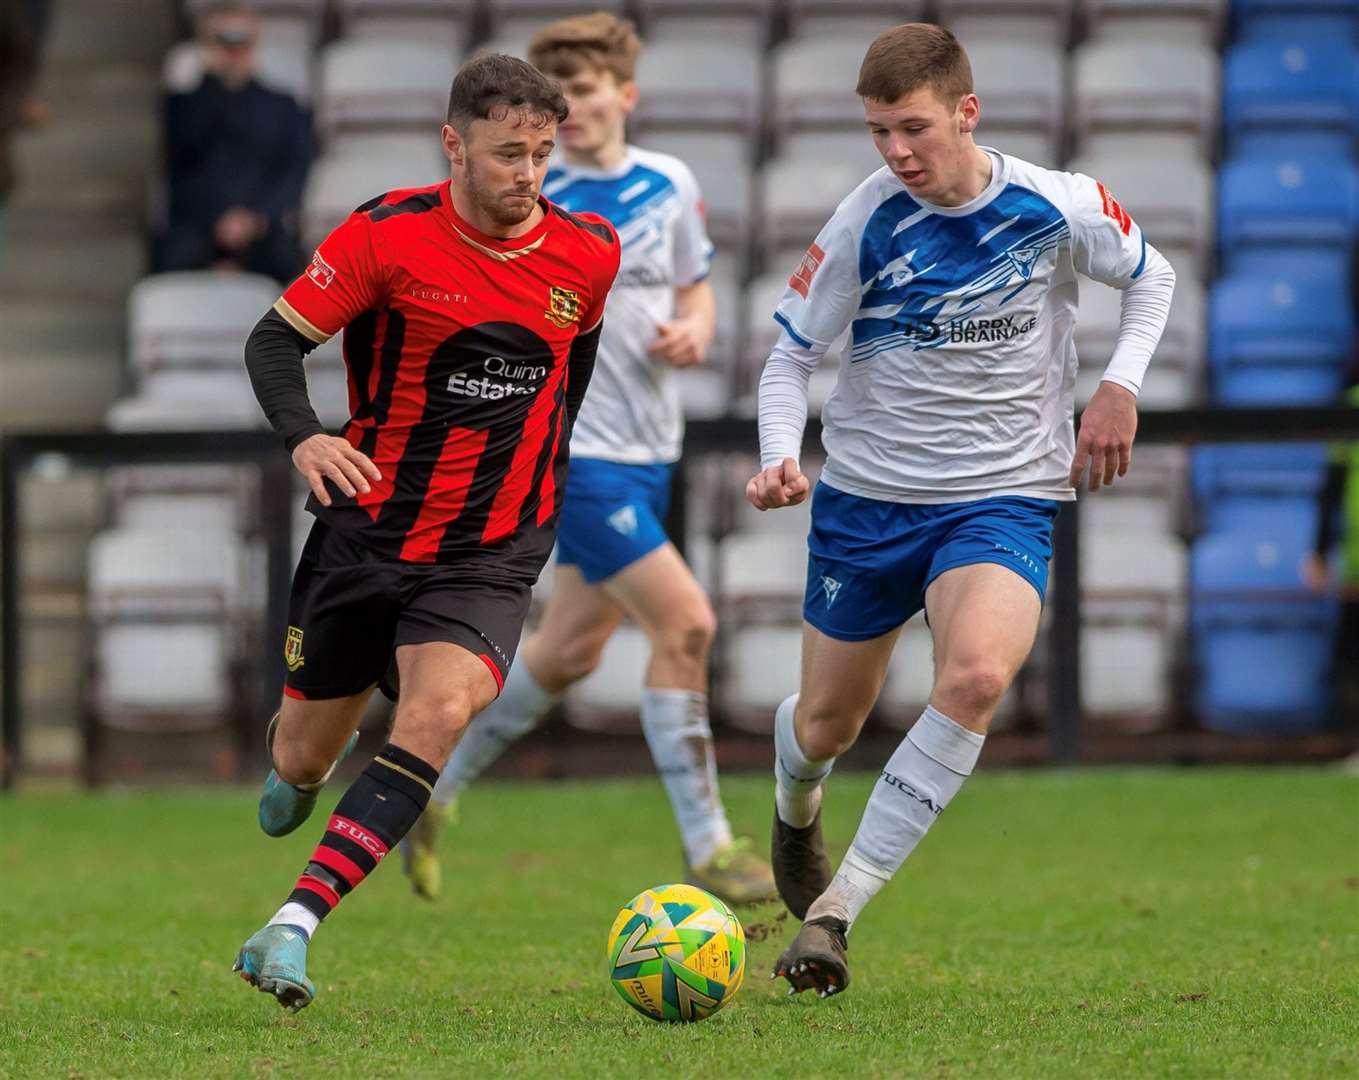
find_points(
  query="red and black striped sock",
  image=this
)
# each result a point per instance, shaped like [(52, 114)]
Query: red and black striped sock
[(370, 819)]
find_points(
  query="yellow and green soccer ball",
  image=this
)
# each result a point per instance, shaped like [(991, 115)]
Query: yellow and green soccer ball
[(677, 953)]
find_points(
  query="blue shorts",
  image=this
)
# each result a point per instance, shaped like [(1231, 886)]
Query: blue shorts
[(612, 515), (869, 562)]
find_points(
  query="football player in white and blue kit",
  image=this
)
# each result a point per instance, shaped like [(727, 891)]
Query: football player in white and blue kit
[(949, 449), (613, 556)]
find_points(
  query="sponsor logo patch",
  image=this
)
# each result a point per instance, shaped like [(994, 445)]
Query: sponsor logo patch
[(801, 281), (1113, 210), (320, 271)]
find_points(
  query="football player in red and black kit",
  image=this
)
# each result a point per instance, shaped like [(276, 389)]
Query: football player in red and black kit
[(471, 313)]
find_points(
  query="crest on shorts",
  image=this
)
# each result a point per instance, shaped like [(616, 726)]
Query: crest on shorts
[(563, 306), (292, 649)]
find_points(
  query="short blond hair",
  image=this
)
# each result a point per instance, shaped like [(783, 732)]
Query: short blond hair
[(906, 57), (599, 40)]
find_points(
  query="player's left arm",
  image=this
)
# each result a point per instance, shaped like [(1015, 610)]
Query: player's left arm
[(683, 340), (1110, 247)]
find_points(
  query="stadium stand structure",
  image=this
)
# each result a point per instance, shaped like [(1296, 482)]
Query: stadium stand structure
[(765, 114)]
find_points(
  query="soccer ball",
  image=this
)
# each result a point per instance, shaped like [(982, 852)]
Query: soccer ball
[(677, 953)]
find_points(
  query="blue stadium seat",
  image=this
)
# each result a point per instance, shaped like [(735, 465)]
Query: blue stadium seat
[(1270, 25), (1262, 644), (1328, 144), (1287, 199), (1279, 335), (1258, 489), (1291, 84)]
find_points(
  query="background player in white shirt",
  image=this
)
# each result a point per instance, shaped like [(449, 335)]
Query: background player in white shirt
[(613, 558), (949, 448)]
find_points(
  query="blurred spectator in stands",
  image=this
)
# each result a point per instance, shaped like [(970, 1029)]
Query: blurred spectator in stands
[(1338, 523), (237, 157), (22, 25)]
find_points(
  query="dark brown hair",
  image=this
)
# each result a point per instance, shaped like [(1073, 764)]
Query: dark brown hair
[(906, 57), (494, 83), (598, 40)]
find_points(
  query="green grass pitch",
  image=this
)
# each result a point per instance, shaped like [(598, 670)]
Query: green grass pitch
[(1113, 923)]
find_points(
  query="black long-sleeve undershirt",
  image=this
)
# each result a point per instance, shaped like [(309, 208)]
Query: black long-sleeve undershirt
[(273, 357), (580, 366)]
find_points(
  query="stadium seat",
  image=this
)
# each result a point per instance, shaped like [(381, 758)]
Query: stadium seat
[(724, 278), (378, 85), (1121, 86), (762, 566), (1032, 146), (1174, 379), (762, 297), (1127, 674), (1282, 21), (813, 83), (860, 19), (795, 201), (1259, 489), (760, 669), (1290, 86), (723, 20), (717, 87), (1262, 644), (1170, 197), (1285, 200), (1041, 22), (1022, 87), (188, 400), (195, 318), (721, 164), (361, 167), (1278, 338), (1198, 21), (448, 22), (540, 12)]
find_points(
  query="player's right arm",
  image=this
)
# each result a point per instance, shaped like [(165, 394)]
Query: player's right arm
[(343, 280), (821, 301)]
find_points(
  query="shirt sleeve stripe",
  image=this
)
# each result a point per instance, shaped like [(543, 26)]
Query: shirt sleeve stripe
[(1142, 262), (782, 320), (300, 324)]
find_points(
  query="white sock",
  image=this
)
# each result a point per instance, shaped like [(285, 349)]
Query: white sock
[(675, 723), (516, 712), (797, 781), (292, 914), (923, 775)]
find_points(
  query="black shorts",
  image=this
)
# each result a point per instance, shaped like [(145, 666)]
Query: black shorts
[(352, 606)]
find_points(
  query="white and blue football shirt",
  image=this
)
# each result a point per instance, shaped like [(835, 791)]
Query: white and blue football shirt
[(959, 377), (632, 412)]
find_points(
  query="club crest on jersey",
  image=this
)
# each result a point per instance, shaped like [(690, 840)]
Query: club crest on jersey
[(831, 588), (320, 271), (292, 649), (563, 306)]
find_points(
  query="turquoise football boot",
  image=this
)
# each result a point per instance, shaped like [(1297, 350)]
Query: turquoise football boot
[(274, 961), (284, 806)]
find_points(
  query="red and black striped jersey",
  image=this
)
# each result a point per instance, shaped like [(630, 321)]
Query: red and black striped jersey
[(456, 347)]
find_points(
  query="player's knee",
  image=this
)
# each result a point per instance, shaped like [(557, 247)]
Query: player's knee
[(826, 729), (298, 763), (433, 722), (972, 689), (686, 637), (575, 658)]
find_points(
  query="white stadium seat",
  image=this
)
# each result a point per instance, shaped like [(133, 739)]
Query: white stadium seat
[(360, 169), (1169, 196), (797, 200), (1022, 87), (189, 401), (384, 85), (195, 318), (1198, 21), (448, 22), (1043, 22), (813, 83), (1174, 377), (762, 566), (1126, 673), (707, 20), (1122, 86), (715, 87), (761, 665), (862, 19)]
